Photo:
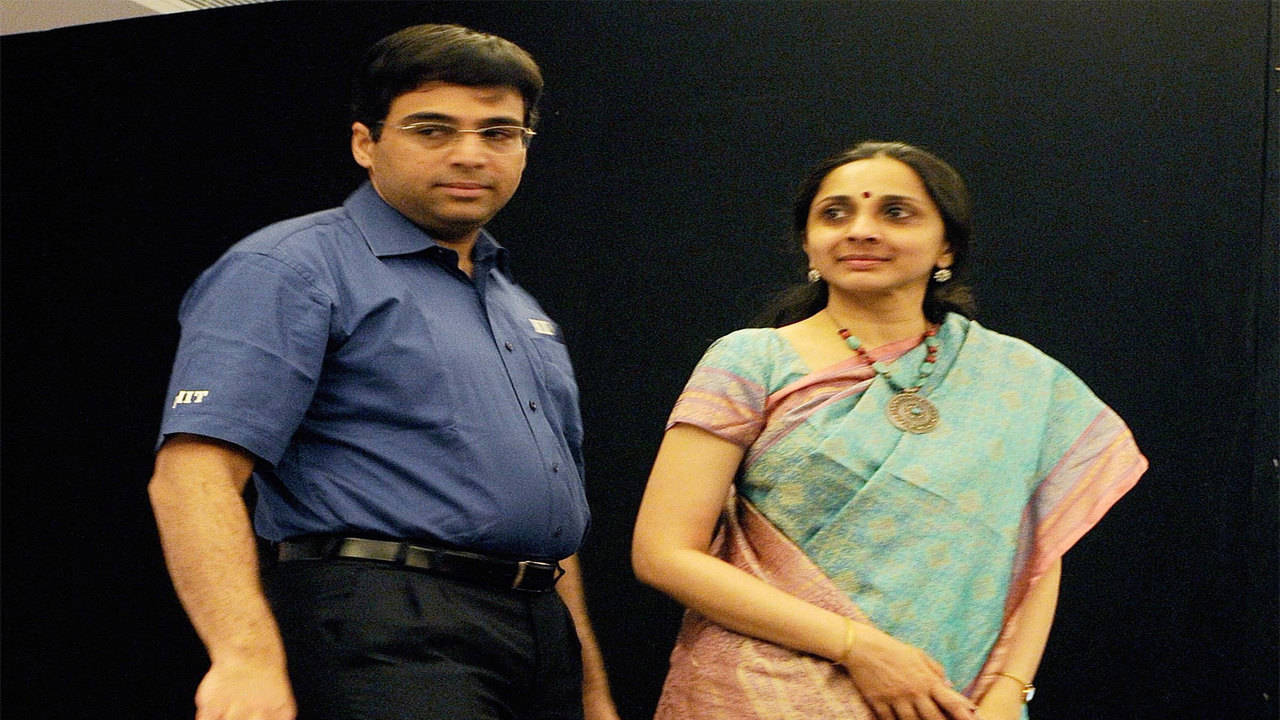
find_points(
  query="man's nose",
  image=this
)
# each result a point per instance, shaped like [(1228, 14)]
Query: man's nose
[(469, 148)]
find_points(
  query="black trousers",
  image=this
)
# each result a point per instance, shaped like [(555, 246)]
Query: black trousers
[(369, 641)]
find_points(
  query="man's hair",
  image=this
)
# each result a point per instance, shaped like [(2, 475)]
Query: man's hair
[(406, 60)]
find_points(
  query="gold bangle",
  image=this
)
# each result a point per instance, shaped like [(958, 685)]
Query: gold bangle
[(1028, 690), (848, 642)]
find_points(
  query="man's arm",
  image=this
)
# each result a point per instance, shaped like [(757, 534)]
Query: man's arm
[(211, 553), (597, 700)]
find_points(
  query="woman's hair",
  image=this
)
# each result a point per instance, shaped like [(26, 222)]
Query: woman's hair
[(945, 187), (406, 60)]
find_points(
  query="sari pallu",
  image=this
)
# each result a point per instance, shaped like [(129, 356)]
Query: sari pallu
[(933, 538)]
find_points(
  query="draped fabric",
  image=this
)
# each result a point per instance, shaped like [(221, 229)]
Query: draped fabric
[(933, 538)]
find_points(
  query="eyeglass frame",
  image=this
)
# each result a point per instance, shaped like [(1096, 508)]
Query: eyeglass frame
[(526, 134)]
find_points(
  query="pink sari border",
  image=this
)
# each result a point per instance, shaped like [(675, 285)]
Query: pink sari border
[(717, 674)]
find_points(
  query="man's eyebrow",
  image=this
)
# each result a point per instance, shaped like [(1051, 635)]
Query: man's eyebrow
[(442, 118), (427, 117)]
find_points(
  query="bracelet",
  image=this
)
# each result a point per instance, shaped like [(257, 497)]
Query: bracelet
[(848, 642), (1028, 690)]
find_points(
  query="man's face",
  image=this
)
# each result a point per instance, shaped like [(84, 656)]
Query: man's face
[(454, 189)]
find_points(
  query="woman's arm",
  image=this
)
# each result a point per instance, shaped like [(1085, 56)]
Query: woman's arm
[(682, 503), (1003, 699)]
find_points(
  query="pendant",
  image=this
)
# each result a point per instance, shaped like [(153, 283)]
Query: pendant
[(912, 412)]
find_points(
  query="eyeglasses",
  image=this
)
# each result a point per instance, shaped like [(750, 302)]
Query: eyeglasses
[(501, 139)]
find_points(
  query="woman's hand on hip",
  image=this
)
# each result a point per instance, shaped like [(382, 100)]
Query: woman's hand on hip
[(899, 681), (1003, 701)]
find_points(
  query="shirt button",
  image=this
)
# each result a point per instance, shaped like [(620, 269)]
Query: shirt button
[(558, 532), (555, 467), (508, 346), (533, 406)]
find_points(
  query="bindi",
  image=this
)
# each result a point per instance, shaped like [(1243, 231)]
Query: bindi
[(866, 193)]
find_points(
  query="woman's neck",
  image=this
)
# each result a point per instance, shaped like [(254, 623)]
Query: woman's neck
[(878, 323)]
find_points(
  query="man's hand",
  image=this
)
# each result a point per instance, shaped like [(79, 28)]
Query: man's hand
[(245, 691), (598, 704)]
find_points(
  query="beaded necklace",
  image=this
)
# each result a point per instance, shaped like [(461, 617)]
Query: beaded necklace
[(907, 410)]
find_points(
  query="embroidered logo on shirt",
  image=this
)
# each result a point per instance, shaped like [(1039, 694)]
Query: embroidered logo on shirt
[(187, 397), (543, 327)]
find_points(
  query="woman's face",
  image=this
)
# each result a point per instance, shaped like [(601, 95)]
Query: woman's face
[(873, 231)]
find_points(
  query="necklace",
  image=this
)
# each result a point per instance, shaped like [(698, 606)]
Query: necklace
[(907, 410)]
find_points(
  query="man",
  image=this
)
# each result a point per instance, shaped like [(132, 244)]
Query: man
[(409, 417)]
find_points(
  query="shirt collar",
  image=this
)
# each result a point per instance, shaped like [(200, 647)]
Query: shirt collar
[(388, 232)]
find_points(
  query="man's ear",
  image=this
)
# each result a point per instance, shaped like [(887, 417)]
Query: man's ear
[(362, 143)]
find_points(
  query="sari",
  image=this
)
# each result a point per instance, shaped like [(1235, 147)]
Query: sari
[(933, 538)]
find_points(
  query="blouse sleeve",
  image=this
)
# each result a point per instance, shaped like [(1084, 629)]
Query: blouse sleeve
[(727, 392), (1088, 461), (1080, 484)]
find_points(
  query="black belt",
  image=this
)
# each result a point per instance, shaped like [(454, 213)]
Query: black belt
[(494, 572)]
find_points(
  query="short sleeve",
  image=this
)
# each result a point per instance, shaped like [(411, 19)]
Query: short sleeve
[(1085, 471), (1088, 461), (254, 335), (727, 392)]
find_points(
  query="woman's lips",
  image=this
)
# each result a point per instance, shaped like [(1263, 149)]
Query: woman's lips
[(862, 262)]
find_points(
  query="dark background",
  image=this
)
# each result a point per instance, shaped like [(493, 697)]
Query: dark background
[(1125, 183)]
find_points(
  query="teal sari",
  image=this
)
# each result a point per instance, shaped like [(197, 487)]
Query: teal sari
[(933, 538)]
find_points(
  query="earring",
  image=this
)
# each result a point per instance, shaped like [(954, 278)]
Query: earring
[(942, 275), (814, 276)]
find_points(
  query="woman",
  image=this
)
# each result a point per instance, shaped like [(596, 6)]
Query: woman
[(864, 506)]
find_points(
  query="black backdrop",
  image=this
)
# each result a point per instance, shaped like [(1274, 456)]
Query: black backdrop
[(1126, 212)]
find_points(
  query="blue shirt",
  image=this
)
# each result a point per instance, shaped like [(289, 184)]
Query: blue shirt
[(383, 391)]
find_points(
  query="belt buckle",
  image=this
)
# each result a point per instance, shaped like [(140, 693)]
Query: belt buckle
[(523, 566)]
